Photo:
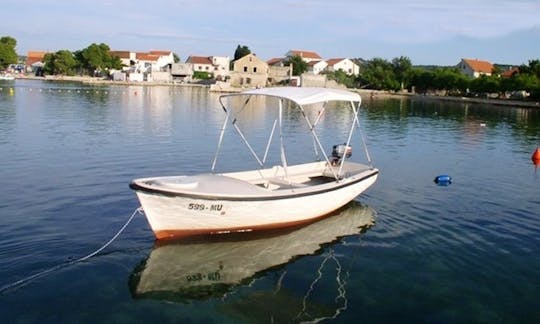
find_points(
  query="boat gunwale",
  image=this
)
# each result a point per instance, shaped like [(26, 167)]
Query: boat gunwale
[(272, 195)]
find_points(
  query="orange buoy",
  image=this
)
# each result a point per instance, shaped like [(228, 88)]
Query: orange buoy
[(536, 156)]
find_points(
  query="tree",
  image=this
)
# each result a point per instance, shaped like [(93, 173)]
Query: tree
[(176, 58), (402, 68), (485, 84), (62, 62), (422, 79), (342, 78), (241, 51), (379, 74), (299, 65), (7, 51), (96, 58)]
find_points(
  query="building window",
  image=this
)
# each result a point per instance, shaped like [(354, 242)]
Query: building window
[(245, 68), (254, 69)]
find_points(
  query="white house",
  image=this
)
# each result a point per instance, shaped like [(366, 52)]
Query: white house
[(343, 64), (201, 63), (140, 62), (475, 68), (164, 59), (307, 56), (317, 67), (221, 66), (218, 66)]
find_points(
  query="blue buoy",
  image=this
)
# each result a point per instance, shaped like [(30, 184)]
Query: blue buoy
[(443, 180)]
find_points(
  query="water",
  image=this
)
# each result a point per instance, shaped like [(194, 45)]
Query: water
[(467, 252)]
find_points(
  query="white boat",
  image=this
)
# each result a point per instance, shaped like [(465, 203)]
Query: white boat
[(6, 77), (210, 268), (265, 198)]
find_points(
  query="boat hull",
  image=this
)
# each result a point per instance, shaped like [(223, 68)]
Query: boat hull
[(180, 215)]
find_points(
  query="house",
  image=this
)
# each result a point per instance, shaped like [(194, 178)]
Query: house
[(307, 56), (34, 61), (249, 71), (475, 68), (182, 72), (201, 63), (343, 64), (164, 59), (145, 62), (510, 72), (221, 67), (277, 61), (126, 57), (217, 66), (316, 67)]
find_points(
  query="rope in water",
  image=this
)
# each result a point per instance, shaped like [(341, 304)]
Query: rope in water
[(24, 281)]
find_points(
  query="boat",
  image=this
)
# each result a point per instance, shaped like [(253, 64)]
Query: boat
[(199, 269), (6, 77), (281, 195)]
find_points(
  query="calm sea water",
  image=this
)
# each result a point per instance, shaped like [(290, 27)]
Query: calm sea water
[(467, 252)]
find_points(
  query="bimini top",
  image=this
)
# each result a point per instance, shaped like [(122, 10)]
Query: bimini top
[(302, 95)]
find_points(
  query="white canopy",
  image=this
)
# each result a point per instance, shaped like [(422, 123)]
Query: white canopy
[(303, 95)]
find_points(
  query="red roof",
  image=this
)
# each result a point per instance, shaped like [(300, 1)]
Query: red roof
[(334, 61), (479, 66), (510, 73), (120, 54), (305, 54), (34, 57), (160, 53), (274, 60), (199, 60), (146, 57)]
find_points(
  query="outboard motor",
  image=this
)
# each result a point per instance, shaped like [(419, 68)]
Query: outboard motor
[(339, 151)]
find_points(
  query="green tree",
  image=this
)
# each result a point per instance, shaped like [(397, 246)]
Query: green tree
[(7, 51), (342, 78), (241, 51), (96, 59), (299, 65), (422, 79), (379, 74), (176, 58), (450, 79), (62, 62), (485, 84), (402, 68)]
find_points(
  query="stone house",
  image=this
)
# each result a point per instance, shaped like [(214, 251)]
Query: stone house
[(249, 71)]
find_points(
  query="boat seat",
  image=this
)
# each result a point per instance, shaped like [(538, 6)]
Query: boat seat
[(285, 184)]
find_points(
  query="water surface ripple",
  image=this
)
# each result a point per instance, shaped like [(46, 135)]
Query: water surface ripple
[(467, 252)]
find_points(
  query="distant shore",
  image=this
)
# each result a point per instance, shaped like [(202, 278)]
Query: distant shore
[(365, 93)]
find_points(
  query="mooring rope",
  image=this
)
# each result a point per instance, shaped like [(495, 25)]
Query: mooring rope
[(26, 280)]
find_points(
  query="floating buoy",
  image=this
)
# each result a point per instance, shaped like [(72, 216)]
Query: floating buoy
[(443, 180), (536, 156)]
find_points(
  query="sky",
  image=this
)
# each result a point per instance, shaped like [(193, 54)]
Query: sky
[(428, 32)]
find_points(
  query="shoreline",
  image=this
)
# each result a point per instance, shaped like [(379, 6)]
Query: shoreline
[(378, 94), (365, 93)]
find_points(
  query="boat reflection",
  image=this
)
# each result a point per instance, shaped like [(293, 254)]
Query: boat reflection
[(211, 267)]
